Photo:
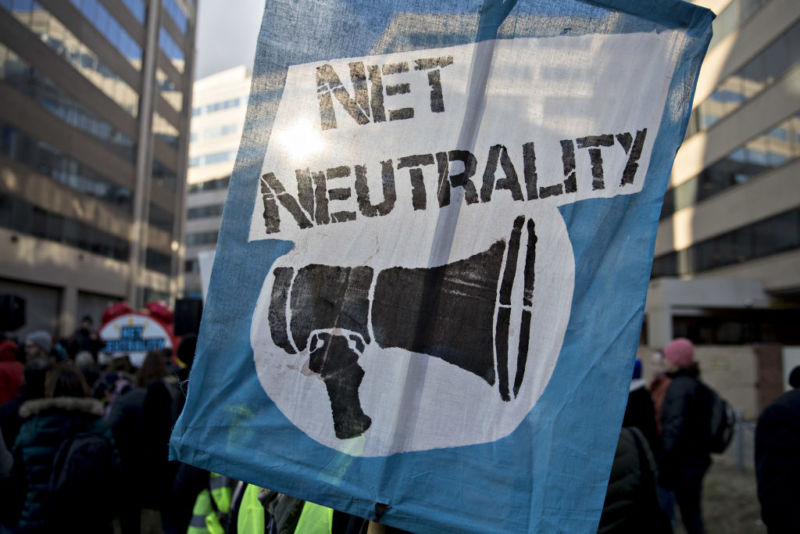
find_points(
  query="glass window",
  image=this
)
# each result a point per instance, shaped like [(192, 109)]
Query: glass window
[(171, 49), (160, 218), (20, 75), (68, 46), (168, 90), (158, 261), (111, 30), (202, 212), (176, 13), (747, 82), (220, 131), (220, 106), (201, 238), (208, 159), (774, 235), (137, 8), (164, 130), (21, 216), (44, 159), (210, 185), (732, 17), (771, 149), (163, 176)]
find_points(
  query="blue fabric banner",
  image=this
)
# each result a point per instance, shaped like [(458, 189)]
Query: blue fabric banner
[(430, 279)]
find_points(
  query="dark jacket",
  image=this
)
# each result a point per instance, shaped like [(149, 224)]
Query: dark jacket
[(778, 463), (640, 413), (631, 504), (47, 423), (126, 419), (685, 422), (11, 378), (141, 421)]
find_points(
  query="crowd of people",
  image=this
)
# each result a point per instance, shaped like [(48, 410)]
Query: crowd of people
[(665, 446), (83, 447), (84, 439)]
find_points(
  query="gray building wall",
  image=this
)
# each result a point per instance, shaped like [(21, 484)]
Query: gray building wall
[(96, 104)]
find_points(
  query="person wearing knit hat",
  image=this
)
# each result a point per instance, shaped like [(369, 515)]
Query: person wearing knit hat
[(38, 345), (686, 440), (679, 352)]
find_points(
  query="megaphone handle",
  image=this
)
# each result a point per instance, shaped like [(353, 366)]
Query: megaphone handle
[(337, 364), (349, 420)]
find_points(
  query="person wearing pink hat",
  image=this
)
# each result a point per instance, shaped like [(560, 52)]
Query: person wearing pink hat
[(685, 423)]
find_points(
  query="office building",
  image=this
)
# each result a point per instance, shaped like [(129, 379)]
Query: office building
[(727, 256), (220, 105), (95, 107)]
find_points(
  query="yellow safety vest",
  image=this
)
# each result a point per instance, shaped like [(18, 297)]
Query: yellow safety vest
[(205, 519), (251, 518), (314, 519)]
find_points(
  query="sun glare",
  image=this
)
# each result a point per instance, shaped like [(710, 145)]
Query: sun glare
[(300, 140)]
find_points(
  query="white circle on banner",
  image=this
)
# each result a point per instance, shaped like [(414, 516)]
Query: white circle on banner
[(387, 398)]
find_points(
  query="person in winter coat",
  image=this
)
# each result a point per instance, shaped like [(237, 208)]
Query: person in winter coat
[(631, 504), (685, 423), (32, 388), (86, 338), (778, 460), (11, 371), (62, 414), (38, 345), (141, 420), (640, 412)]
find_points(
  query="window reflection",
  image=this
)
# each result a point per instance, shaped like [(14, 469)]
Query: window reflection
[(171, 49), (137, 8), (21, 216), (771, 149), (159, 218), (168, 90), (176, 13), (759, 73), (68, 46), (208, 159), (47, 160), (163, 176), (210, 185), (773, 235), (203, 212), (158, 261), (201, 238), (731, 18), (29, 81), (164, 130), (219, 106), (111, 30)]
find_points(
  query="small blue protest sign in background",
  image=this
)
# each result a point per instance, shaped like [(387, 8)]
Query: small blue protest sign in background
[(434, 256)]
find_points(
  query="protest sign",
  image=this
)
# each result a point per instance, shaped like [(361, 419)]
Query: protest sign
[(134, 334), (431, 273)]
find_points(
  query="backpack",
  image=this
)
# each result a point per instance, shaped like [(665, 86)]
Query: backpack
[(83, 478), (722, 422)]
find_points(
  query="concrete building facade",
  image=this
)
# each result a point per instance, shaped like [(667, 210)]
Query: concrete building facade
[(727, 255), (96, 100), (220, 105)]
